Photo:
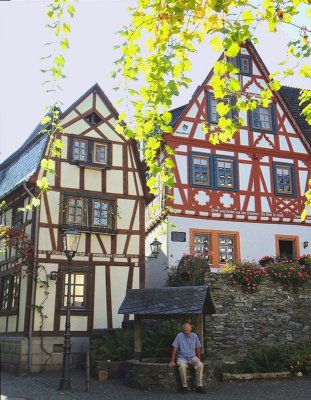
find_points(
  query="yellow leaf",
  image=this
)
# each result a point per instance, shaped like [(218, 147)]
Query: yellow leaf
[(305, 71), (248, 17), (222, 108), (233, 50), (217, 44)]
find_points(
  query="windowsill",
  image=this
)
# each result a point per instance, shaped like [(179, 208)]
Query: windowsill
[(93, 229), (88, 164), (271, 131), (8, 312)]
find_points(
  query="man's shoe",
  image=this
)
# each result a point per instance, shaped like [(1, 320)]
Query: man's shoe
[(184, 390), (200, 389)]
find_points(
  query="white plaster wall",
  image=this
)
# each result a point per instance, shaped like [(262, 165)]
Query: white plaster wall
[(77, 127), (49, 303), (109, 133), (125, 209), (12, 319), (118, 277), (69, 117), (156, 269), (101, 107), (54, 201), (44, 239), (92, 179), (117, 155), (86, 104), (78, 323), (115, 181), (256, 239), (69, 176), (2, 324), (100, 303), (22, 305)]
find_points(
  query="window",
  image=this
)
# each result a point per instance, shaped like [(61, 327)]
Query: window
[(263, 119), (78, 290), (223, 246), (213, 115), (79, 150), (287, 246), (17, 216), (213, 171), (201, 170), (101, 213), (90, 152), (93, 119), (244, 63), (91, 213), (100, 153), (284, 179), (9, 292), (76, 211), (225, 172)]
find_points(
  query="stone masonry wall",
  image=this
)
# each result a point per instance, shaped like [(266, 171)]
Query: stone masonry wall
[(244, 321)]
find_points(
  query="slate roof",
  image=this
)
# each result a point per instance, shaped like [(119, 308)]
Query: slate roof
[(291, 97), (168, 301), (23, 163)]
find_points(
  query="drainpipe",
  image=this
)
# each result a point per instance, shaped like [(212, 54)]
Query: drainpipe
[(33, 283)]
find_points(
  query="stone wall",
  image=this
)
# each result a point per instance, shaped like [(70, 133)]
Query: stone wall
[(244, 321), (14, 353)]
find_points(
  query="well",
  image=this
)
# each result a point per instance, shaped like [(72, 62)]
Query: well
[(154, 375)]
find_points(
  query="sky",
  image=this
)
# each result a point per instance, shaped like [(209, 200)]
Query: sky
[(89, 60)]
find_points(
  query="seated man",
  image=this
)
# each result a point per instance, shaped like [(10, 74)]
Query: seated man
[(187, 346)]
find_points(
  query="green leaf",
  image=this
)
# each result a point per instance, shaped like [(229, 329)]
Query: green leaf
[(45, 120), (169, 163)]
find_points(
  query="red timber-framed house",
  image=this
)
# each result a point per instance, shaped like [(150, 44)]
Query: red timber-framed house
[(99, 190), (242, 199)]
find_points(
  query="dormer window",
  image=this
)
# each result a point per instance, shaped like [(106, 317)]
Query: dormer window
[(93, 119), (90, 152)]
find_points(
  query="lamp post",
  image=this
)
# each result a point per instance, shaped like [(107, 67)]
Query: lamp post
[(71, 238)]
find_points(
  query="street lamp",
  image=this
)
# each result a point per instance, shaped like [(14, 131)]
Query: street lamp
[(71, 238), (155, 249)]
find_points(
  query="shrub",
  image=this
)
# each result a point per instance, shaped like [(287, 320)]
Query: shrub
[(287, 272), (118, 346), (190, 271), (248, 274), (157, 342)]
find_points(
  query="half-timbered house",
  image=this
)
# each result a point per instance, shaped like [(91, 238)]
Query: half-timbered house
[(97, 189), (241, 199)]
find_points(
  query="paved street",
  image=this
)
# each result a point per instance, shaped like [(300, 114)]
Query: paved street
[(45, 387)]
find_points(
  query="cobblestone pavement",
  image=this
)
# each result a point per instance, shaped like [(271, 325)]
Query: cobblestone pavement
[(45, 387)]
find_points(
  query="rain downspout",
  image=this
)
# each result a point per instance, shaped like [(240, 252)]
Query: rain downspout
[(33, 284)]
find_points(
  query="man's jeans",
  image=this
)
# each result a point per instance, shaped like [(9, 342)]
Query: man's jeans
[(198, 366)]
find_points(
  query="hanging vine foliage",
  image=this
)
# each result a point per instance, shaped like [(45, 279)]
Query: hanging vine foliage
[(157, 48)]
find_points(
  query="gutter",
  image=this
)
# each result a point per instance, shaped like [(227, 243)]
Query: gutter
[(33, 283)]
